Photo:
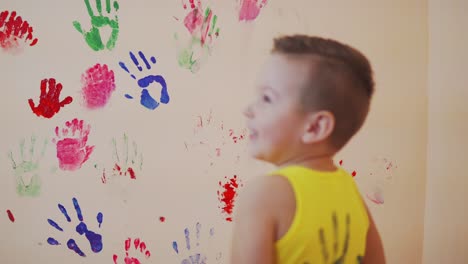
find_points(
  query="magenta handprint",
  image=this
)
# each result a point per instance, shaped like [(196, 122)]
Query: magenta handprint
[(250, 9), (71, 141)]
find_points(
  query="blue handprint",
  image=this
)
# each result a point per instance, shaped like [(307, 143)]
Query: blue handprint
[(95, 240), (196, 258), (146, 99)]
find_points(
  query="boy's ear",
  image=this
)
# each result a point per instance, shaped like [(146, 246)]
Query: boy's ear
[(318, 127)]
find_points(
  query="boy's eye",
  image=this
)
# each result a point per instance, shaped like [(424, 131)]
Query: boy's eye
[(266, 98)]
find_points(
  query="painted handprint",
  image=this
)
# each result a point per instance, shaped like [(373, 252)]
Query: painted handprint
[(125, 163), (14, 29), (49, 101), (26, 168), (138, 246), (201, 25), (94, 239), (98, 86), (192, 257), (336, 257), (146, 99), (250, 9), (71, 141), (99, 21)]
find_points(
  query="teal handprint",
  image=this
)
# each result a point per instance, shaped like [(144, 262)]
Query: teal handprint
[(93, 37), (26, 170)]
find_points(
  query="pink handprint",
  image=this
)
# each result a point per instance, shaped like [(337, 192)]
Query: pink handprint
[(139, 246), (72, 150), (250, 9)]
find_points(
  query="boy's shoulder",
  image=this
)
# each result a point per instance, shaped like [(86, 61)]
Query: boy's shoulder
[(269, 195)]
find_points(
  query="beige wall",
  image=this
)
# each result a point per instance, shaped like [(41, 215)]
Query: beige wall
[(446, 228), (178, 182)]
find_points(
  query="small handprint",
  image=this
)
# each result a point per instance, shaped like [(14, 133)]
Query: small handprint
[(71, 141), (99, 21), (94, 239), (250, 9), (49, 102), (13, 30), (139, 246), (337, 257), (26, 169), (98, 86), (146, 99), (201, 25), (125, 164), (192, 258)]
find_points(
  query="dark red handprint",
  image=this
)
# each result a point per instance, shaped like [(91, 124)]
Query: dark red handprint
[(13, 30), (72, 150), (49, 102)]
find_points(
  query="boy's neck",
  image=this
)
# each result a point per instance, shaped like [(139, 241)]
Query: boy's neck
[(319, 163)]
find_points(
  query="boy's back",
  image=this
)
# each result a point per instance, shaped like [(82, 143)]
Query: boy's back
[(329, 220), (313, 97)]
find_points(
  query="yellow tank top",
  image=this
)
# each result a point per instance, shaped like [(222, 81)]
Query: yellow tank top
[(331, 222)]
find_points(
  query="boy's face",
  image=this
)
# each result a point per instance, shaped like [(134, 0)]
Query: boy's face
[(274, 119)]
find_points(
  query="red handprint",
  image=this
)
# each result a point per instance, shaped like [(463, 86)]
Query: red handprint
[(14, 29), (49, 102), (139, 245), (72, 150)]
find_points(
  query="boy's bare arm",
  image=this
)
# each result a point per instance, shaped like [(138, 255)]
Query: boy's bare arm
[(254, 227), (374, 247)]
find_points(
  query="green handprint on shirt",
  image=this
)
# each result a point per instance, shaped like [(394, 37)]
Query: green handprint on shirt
[(93, 36)]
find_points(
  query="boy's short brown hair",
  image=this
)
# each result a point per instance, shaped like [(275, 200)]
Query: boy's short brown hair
[(341, 81)]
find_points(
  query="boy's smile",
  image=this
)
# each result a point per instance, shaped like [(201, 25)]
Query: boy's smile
[(275, 120)]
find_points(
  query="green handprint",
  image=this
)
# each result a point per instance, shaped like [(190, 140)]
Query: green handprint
[(93, 37), (27, 170), (122, 165)]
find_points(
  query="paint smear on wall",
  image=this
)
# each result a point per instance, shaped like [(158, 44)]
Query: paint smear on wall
[(94, 239), (14, 32), (98, 86), (99, 21), (132, 252), (227, 196), (201, 25), (250, 9), (353, 173), (49, 102), (26, 167), (211, 135), (10, 216), (380, 176), (71, 142)]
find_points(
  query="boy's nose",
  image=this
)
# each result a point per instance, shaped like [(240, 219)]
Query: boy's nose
[(248, 111)]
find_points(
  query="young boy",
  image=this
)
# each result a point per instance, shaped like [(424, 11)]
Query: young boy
[(313, 96)]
